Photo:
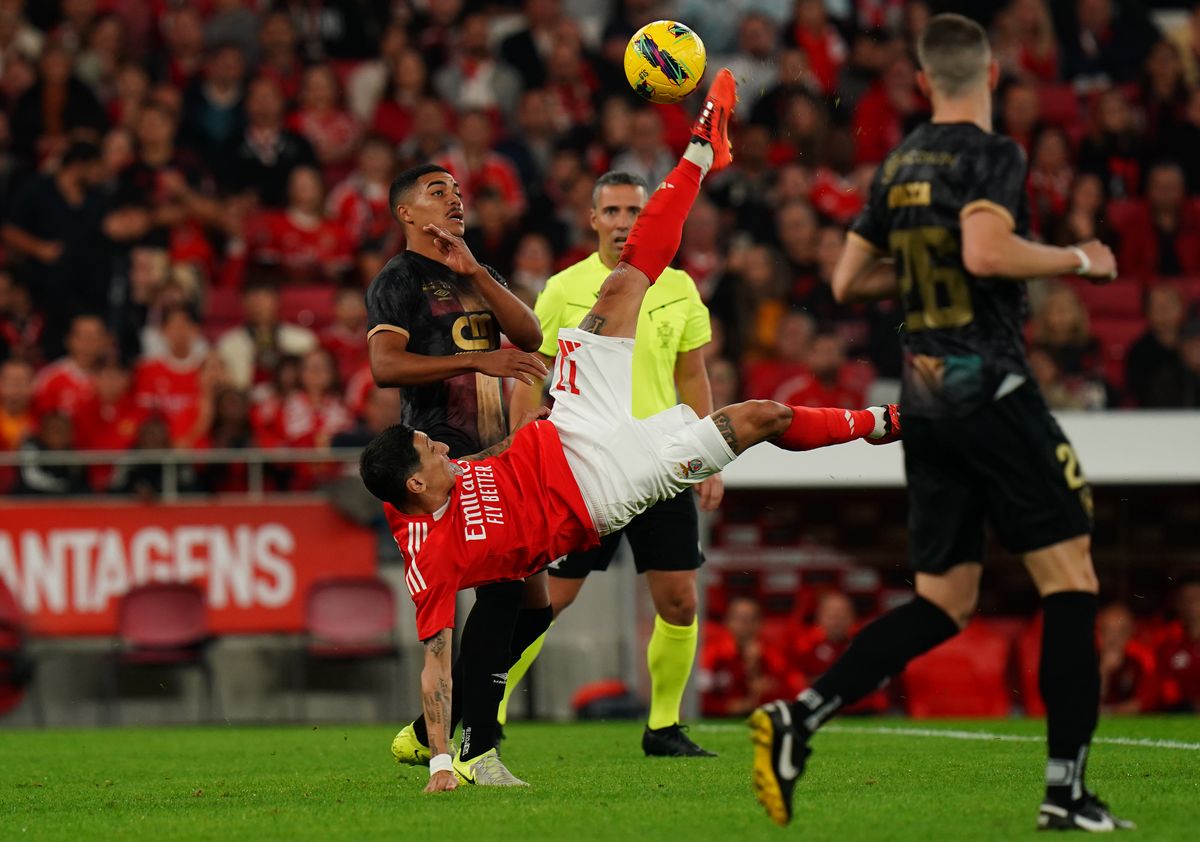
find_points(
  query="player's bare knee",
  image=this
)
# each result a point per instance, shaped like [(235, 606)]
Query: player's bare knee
[(678, 608), (1066, 566)]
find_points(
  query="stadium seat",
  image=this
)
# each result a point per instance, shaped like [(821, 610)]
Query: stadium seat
[(163, 626), (1028, 657), (966, 676), (224, 305), (16, 667), (307, 306), (1115, 337), (1119, 300), (348, 620), (1059, 105)]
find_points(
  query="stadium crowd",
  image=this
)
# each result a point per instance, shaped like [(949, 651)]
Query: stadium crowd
[(194, 197), (1147, 665)]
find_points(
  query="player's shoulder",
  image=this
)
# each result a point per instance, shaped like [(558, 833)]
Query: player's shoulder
[(585, 273)]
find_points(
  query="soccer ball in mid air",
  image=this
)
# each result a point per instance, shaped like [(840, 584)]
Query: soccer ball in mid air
[(664, 61)]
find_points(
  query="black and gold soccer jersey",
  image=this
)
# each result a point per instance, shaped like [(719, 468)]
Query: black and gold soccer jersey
[(441, 313), (962, 334)]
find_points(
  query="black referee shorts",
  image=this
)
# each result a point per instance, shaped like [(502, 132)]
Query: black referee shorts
[(664, 537), (1008, 465)]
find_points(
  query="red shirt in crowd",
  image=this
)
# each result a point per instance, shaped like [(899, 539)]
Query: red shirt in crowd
[(172, 389), (358, 389), (878, 126), (348, 348), (495, 173), (361, 209), (725, 678), (62, 386), (107, 426), (306, 248), (327, 129), (807, 390), (303, 422), (507, 518), (1179, 670)]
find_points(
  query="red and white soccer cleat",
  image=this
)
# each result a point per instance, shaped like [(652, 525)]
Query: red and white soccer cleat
[(891, 424), (713, 123)]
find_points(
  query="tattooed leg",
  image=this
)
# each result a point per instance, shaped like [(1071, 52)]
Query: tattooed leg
[(744, 425)]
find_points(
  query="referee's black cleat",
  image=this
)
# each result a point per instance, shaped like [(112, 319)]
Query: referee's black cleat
[(1088, 813), (671, 741), (780, 753)]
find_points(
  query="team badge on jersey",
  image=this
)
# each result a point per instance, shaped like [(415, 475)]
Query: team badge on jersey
[(684, 470)]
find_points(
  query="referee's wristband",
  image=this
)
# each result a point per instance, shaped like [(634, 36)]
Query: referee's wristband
[(1085, 263), (440, 763)]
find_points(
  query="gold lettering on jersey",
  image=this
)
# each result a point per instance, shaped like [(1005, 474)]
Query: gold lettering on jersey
[(926, 261), (479, 499), (911, 194), (473, 332), (915, 158)]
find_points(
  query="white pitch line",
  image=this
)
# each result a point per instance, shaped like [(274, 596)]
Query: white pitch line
[(981, 736)]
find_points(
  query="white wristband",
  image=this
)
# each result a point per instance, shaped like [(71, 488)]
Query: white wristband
[(440, 763), (1085, 264)]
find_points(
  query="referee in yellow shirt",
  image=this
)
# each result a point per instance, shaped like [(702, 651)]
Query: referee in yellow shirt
[(668, 368)]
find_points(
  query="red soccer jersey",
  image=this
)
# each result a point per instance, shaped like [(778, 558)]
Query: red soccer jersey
[(507, 518), (1179, 669), (307, 249), (62, 387), (303, 422), (348, 347), (171, 388)]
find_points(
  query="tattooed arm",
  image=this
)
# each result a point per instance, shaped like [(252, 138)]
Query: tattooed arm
[(503, 445), (436, 689)]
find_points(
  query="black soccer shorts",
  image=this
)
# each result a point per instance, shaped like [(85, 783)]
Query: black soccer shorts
[(664, 537), (1009, 465)]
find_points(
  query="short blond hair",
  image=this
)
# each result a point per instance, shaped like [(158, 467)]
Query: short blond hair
[(954, 53)]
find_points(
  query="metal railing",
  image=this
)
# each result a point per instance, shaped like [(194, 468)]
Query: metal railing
[(255, 459)]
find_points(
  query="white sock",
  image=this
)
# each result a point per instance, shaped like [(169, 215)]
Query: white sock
[(880, 413), (699, 153)]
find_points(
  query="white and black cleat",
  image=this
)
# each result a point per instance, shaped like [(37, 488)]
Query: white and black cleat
[(1088, 813)]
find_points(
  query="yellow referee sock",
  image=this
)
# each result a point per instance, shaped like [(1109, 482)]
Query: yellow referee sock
[(516, 672), (669, 658)]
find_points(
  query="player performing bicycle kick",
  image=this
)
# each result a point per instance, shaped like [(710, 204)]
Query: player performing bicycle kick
[(558, 483)]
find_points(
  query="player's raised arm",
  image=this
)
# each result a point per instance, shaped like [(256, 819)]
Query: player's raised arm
[(992, 249), (436, 690), (392, 364), (517, 321)]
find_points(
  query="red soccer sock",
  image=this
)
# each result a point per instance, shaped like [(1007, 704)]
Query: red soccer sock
[(812, 428), (655, 236)]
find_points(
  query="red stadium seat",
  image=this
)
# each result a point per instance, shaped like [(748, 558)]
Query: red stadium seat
[(1115, 337), (966, 676), (349, 620), (310, 306), (163, 625), (1029, 656), (224, 305), (1118, 300), (1059, 105)]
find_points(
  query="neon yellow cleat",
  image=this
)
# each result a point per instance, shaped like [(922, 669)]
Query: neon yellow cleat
[(485, 770), (407, 749)]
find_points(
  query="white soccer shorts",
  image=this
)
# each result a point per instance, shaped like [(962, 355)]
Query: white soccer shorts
[(624, 465)]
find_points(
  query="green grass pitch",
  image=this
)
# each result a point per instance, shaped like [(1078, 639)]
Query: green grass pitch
[(589, 781)]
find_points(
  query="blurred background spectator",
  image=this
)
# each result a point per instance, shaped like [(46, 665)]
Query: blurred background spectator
[(739, 668)]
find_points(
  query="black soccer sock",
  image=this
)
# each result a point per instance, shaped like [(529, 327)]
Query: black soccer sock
[(531, 624), (486, 656), (878, 652), (481, 668), (1069, 680)]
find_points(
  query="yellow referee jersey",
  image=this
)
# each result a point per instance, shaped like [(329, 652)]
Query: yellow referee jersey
[(673, 320)]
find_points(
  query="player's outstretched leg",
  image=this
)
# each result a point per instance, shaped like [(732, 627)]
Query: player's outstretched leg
[(655, 236), (799, 428)]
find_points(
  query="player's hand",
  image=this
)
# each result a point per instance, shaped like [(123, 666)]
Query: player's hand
[(1104, 263), (530, 416), (509, 362), (441, 782), (453, 250), (710, 491)]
